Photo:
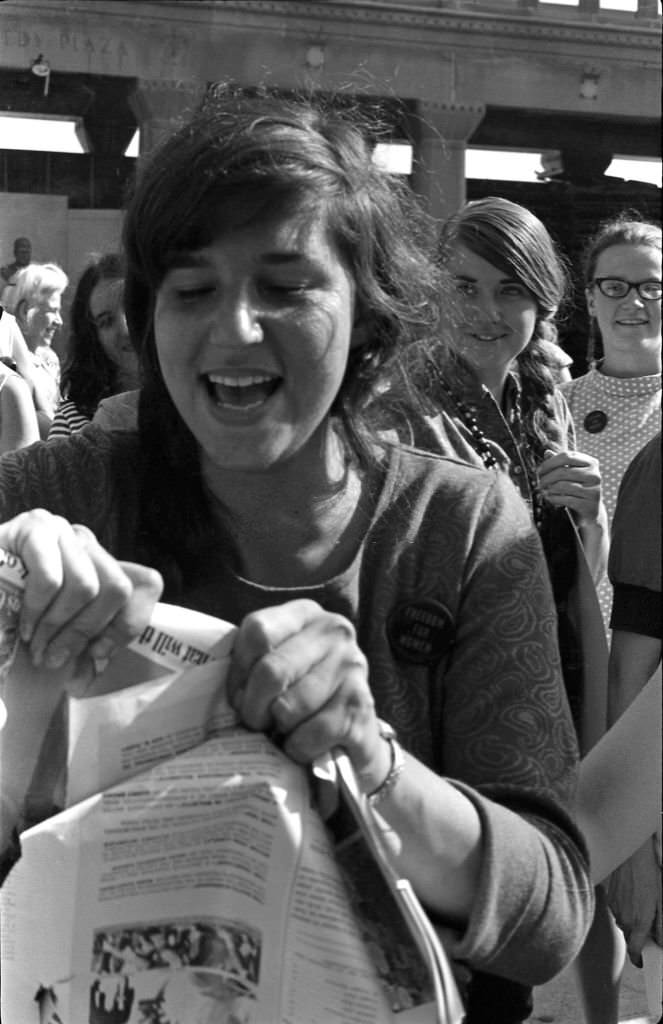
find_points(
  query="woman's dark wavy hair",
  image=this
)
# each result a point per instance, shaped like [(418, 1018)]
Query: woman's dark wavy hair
[(88, 375), (247, 156), (513, 239), (627, 228)]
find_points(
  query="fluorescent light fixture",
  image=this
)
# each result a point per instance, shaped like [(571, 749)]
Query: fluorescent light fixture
[(634, 168), (394, 157), (619, 5), (43, 134), (133, 149), (604, 5), (502, 165)]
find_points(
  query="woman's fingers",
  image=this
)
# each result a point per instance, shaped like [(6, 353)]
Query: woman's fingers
[(260, 634), (569, 465), (347, 719), (306, 678), (76, 593), (122, 609), (572, 479)]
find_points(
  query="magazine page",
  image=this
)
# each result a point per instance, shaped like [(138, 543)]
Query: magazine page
[(119, 734), (203, 886), (48, 710), (162, 823)]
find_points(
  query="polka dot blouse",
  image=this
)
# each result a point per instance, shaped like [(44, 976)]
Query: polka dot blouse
[(614, 417)]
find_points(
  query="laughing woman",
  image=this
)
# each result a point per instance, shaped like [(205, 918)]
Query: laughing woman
[(274, 272)]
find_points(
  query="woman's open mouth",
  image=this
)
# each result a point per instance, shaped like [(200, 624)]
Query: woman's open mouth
[(241, 391)]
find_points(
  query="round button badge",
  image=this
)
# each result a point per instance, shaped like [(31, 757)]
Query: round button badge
[(595, 421), (420, 632)]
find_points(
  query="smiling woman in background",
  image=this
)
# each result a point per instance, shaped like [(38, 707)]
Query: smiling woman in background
[(493, 398), (36, 302), (101, 361), (494, 401), (616, 405)]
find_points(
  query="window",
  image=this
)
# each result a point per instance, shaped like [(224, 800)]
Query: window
[(43, 134)]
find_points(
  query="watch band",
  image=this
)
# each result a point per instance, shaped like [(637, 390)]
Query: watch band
[(395, 768)]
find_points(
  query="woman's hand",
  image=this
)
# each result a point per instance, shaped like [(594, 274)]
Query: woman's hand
[(298, 672), (572, 479), (78, 598)]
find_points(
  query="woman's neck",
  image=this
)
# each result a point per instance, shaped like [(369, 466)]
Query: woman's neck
[(490, 377), (631, 364), (291, 525), (494, 381)]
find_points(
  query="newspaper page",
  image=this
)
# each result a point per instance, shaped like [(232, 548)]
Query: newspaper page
[(188, 879)]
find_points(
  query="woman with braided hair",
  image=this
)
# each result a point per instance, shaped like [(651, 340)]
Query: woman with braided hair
[(493, 399)]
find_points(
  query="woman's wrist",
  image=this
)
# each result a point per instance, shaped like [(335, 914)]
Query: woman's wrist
[(396, 766), (384, 769)]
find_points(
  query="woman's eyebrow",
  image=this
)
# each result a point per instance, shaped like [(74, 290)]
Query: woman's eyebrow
[(284, 257), (184, 258)]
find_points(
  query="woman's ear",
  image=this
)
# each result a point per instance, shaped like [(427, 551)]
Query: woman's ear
[(21, 313), (591, 302)]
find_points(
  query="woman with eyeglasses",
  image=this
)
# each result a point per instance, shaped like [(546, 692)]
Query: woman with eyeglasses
[(616, 408), (616, 405)]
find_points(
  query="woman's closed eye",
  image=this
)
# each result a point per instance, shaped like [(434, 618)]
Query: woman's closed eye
[(513, 289), (465, 288), (191, 292), (278, 286)]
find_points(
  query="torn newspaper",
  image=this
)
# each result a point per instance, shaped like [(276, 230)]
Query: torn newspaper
[(175, 867)]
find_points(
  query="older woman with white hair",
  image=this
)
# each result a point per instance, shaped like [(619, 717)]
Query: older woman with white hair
[(36, 303)]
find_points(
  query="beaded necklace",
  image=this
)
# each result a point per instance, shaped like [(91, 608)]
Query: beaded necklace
[(483, 449), (469, 419)]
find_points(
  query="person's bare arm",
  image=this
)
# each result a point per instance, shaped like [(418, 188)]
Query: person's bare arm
[(18, 419), (633, 660), (24, 365), (619, 790)]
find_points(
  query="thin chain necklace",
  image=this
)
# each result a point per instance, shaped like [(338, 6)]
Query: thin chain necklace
[(483, 449)]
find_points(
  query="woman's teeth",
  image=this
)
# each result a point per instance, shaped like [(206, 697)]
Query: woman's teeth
[(244, 391)]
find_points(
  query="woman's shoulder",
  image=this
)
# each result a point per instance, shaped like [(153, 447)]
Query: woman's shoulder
[(118, 412), (69, 474), (424, 476), (12, 381), (578, 385), (8, 331), (68, 419)]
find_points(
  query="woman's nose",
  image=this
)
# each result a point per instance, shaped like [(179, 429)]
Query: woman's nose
[(122, 325), (237, 323), (487, 309)]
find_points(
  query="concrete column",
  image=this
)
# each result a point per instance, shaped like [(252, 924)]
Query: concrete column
[(438, 172), (161, 106), (648, 8)]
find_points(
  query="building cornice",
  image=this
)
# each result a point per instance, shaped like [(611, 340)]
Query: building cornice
[(607, 28), (599, 28)]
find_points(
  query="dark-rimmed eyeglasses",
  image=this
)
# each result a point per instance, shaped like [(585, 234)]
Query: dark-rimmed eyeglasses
[(617, 288)]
